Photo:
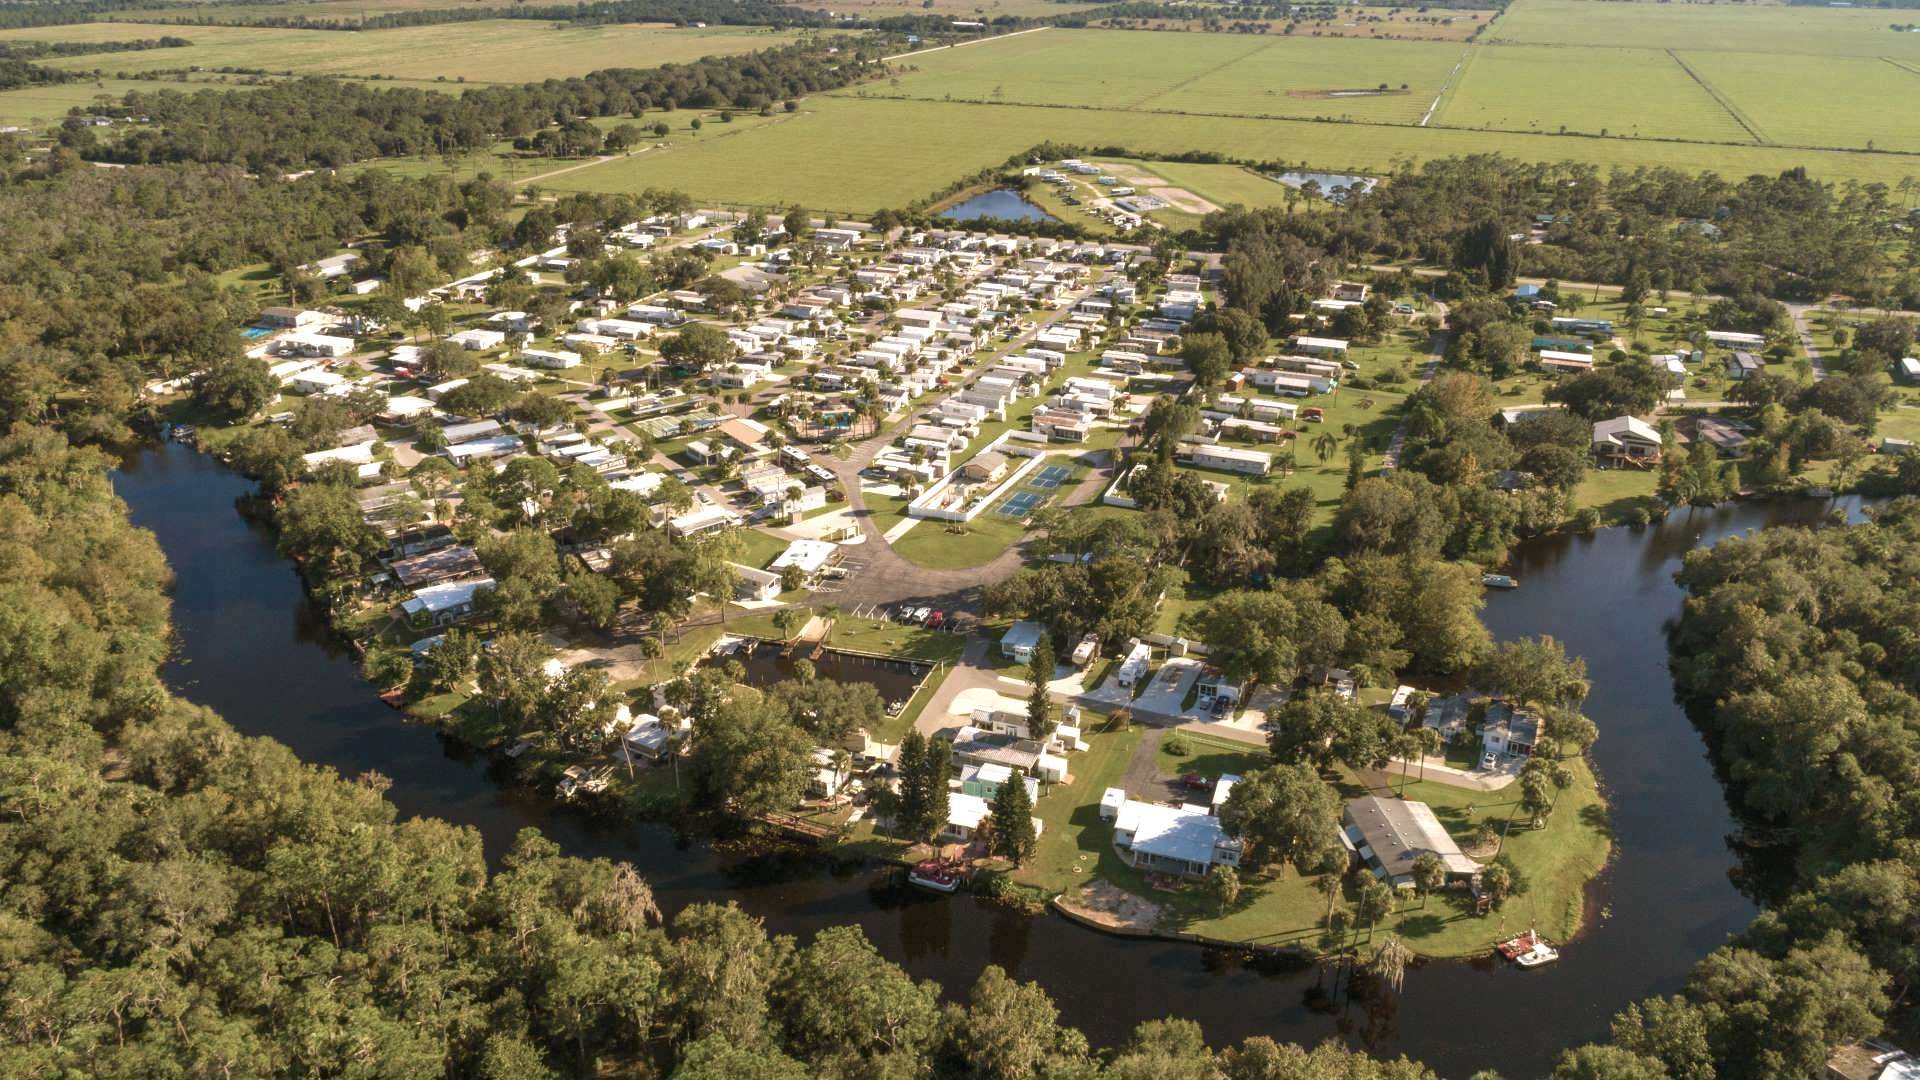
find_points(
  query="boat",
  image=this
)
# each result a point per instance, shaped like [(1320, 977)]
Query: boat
[(1499, 581), (1529, 950), (1541, 954), (935, 874)]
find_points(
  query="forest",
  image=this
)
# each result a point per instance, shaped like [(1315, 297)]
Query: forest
[(326, 122)]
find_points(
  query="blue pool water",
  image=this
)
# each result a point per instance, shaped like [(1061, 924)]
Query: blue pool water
[(1001, 203), (252, 332)]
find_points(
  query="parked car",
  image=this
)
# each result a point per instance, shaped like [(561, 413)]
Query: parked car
[(935, 620), (1220, 705), (1489, 761)]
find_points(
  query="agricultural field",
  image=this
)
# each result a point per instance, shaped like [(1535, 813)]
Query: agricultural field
[(1820, 100), (318, 10), (1637, 93), (1219, 74), (852, 155), (1373, 23), (1819, 31), (39, 106), (494, 51), (43, 106), (977, 10)]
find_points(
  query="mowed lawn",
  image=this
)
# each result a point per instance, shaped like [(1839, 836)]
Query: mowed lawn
[(492, 51), (1220, 74), (1740, 28), (1639, 93), (1821, 100), (852, 155)]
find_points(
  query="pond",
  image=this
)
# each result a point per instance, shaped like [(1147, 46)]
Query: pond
[(767, 662), (1333, 186), (1001, 204), (251, 647)]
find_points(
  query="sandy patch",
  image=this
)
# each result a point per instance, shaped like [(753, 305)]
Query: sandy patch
[(1184, 200), (1133, 176), (1109, 905)]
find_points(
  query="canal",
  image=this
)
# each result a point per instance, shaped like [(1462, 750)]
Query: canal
[(251, 648)]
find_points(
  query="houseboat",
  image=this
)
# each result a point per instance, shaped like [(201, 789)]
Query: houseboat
[(937, 874)]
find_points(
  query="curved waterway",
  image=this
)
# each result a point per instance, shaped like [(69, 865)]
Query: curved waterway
[(252, 648)]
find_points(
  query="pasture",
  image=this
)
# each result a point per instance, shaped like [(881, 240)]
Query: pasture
[(317, 10), (1215, 74), (856, 155), (1818, 31), (44, 106), (493, 51), (1637, 93), (1820, 100)]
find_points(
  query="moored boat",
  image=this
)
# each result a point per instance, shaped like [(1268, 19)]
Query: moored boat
[(1529, 950), (935, 874), (1499, 581)]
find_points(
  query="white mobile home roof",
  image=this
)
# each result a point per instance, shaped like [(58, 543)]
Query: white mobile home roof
[(445, 596), (1329, 344)]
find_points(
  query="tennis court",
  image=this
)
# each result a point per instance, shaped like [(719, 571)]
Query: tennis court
[(1050, 477), (1019, 506)]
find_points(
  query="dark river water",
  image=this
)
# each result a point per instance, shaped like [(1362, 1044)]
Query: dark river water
[(251, 648)]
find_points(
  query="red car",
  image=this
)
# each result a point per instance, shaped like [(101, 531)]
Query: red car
[(934, 620)]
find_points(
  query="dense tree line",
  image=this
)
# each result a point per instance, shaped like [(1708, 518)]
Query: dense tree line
[(16, 73), (327, 122), (32, 50), (1786, 236)]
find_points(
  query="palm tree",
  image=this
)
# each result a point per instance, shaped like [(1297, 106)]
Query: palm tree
[(1562, 778), (1324, 445), (1430, 743), (831, 614), (1404, 746)]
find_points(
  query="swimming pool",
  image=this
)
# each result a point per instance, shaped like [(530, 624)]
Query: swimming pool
[(252, 332)]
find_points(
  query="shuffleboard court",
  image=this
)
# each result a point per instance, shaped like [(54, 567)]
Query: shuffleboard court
[(1050, 477), (1020, 505)]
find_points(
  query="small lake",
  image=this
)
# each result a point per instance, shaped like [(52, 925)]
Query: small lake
[(252, 647), (1002, 204), (1334, 186)]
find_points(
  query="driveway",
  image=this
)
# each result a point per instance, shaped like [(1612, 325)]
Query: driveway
[(1164, 695)]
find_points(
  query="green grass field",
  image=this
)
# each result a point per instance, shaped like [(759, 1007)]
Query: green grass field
[(1632, 92), (41, 106), (1217, 74), (852, 155), (1820, 100), (342, 10), (1587, 24), (493, 51)]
